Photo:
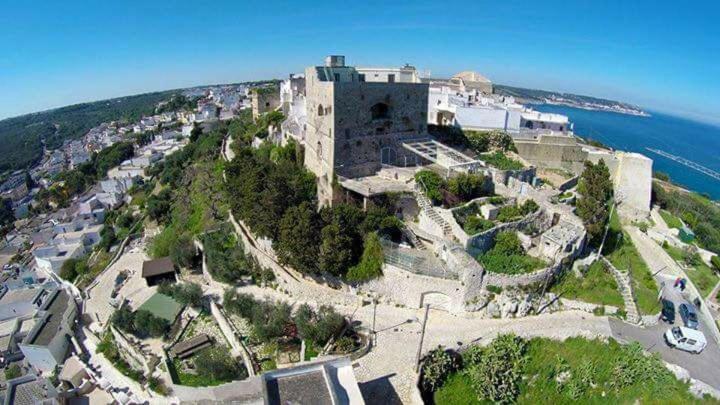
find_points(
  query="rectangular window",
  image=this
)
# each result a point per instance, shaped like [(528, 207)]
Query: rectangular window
[(391, 78), (337, 76), (361, 77)]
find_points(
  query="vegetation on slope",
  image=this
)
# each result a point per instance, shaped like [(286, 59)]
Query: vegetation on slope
[(21, 138), (577, 370)]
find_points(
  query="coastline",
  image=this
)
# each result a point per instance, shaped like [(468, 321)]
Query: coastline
[(636, 113)]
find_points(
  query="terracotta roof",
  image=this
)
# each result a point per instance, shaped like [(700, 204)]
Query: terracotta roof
[(154, 267)]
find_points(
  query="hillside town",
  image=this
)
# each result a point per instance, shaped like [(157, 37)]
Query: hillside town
[(344, 236)]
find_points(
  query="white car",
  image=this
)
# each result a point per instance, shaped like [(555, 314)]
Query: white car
[(687, 339)]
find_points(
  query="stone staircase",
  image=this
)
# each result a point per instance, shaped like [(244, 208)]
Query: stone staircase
[(426, 207), (625, 287), (416, 242)]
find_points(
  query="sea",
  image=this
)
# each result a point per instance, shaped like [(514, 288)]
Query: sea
[(692, 140)]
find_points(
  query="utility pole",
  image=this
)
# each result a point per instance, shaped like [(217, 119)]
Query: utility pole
[(374, 332), (422, 337)]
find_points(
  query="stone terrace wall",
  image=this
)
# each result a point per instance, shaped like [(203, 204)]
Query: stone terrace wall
[(519, 280), (482, 242), (502, 176)]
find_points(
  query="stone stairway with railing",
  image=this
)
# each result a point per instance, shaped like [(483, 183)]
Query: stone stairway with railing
[(427, 208), (625, 287), (410, 234)]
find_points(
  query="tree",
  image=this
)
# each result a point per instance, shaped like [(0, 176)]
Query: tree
[(595, 189), (297, 242), (342, 241), (215, 362), (182, 251), (123, 319), (318, 327), (370, 265), (68, 269), (146, 324), (158, 206)]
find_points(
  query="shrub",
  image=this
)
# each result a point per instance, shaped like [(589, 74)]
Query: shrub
[(476, 224), (632, 365), (345, 345), (13, 371), (436, 368), (497, 370), (123, 319), (432, 184), (494, 289), (182, 250), (241, 304), (529, 206)]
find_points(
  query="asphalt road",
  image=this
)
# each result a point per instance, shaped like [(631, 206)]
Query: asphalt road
[(703, 366)]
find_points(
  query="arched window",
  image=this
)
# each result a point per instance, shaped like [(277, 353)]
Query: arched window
[(321, 111), (379, 111)]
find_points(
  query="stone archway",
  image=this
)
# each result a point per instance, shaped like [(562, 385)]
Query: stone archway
[(388, 155)]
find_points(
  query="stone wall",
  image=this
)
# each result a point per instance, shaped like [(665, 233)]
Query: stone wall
[(263, 102), (409, 289), (552, 151), (503, 176), (519, 280), (482, 242)]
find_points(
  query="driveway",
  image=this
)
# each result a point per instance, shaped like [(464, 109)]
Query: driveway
[(703, 366)]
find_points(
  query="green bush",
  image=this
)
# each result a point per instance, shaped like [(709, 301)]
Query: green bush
[(508, 257), (497, 371), (12, 371), (475, 224), (633, 365), (715, 261), (466, 186), (432, 184), (436, 368), (499, 160)]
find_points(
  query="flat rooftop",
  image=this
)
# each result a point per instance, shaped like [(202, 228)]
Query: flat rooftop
[(305, 388), (56, 309), (162, 306)]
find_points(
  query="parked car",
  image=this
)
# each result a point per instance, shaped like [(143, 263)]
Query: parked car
[(688, 313), (668, 311), (687, 339)]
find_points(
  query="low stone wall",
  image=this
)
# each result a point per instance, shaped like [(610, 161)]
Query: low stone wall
[(519, 280), (482, 242), (569, 184), (524, 175), (586, 306), (229, 333), (132, 354)]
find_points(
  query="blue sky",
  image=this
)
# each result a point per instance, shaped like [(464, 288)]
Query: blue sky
[(661, 55)]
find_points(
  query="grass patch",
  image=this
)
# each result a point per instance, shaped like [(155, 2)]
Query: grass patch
[(671, 220), (597, 287), (594, 372), (700, 273), (191, 379), (621, 252), (310, 351), (501, 161)]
